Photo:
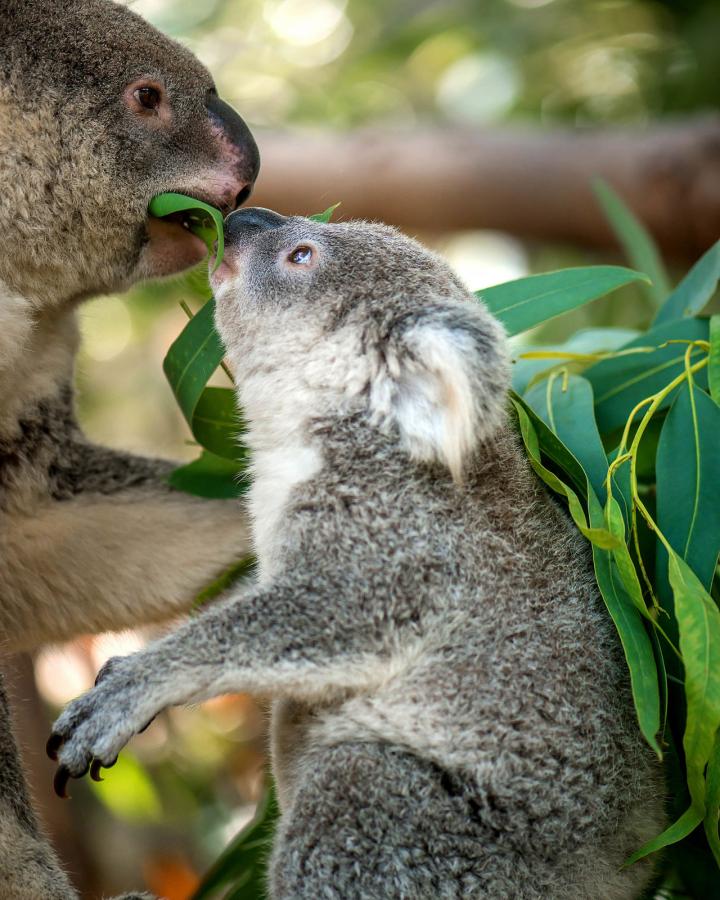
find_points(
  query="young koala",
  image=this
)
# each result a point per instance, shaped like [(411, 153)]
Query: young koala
[(452, 711)]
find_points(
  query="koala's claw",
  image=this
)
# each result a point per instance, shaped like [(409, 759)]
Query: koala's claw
[(54, 743), (60, 781), (64, 773), (93, 729)]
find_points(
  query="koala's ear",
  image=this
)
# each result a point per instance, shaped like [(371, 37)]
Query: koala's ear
[(442, 379)]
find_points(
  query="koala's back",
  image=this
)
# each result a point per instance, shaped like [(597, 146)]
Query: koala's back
[(506, 675)]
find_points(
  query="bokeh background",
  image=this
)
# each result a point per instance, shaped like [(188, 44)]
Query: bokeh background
[(298, 69)]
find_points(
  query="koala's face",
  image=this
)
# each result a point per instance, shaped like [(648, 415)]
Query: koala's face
[(323, 273), (109, 113), (323, 319)]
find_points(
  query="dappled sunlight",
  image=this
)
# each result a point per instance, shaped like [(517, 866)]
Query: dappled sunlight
[(484, 258), (478, 88)]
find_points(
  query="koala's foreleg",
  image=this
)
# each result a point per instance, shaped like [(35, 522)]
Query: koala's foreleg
[(119, 549), (281, 641)]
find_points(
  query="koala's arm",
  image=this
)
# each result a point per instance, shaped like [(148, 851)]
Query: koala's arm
[(286, 640), (117, 549)]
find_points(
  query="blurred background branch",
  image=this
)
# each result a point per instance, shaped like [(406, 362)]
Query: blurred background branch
[(527, 182)]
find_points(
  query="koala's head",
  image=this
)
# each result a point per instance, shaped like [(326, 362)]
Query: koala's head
[(330, 319), (99, 112)]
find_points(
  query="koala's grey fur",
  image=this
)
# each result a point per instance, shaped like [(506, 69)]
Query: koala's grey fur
[(453, 717), (90, 538)]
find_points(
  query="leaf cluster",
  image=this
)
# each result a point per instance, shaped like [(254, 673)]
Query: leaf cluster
[(627, 432)]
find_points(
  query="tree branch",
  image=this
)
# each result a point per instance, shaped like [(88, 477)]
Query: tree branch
[(525, 181)]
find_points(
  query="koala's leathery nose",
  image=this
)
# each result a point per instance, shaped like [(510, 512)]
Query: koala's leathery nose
[(244, 223), (239, 151)]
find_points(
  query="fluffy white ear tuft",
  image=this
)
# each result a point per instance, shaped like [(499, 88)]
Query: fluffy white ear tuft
[(443, 382)]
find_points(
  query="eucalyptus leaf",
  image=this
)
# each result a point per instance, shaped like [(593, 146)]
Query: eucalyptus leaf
[(714, 362), (167, 204), (210, 412), (695, 290), (596, 340), (552, 447), (639, 246), (243, 863), (622, 382), (210, 476), (615, 524), (634, 638), (712, 800), (216, 422), (600, 536), (585, 341), (688, 484), (526, 302), (663, 682), (192, 358), (566, 406), (622, 487), (326, 215), (524, 371), (680, 829), (242, 568), (699, 625)]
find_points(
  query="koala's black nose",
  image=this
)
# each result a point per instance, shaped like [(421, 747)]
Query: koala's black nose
[(238, 155), (245, 222)]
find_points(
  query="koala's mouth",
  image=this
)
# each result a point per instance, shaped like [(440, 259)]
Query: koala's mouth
[(171, 245), (185, 219), (181, 238)]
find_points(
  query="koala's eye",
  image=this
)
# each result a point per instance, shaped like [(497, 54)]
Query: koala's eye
[(148, 97), (301, 256)]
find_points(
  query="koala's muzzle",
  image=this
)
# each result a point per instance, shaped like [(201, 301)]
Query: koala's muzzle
[(238, 145), (246, 223)]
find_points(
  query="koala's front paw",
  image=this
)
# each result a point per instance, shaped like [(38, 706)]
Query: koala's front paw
[(94, 728), (134, 896)]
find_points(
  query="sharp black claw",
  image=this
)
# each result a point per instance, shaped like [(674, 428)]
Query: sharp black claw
[(109, 765), (95, 768), (54, 743), (60, 782)]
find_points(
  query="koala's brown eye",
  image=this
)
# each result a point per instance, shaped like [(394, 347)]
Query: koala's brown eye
[(149, 97), (301, 256)]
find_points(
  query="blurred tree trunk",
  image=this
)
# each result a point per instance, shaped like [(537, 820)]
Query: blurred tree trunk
[(532, 183)]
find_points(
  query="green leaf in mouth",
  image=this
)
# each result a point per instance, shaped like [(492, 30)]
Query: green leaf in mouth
[(204, 220)]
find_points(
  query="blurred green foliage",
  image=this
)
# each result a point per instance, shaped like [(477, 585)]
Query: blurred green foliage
[(335, 63)]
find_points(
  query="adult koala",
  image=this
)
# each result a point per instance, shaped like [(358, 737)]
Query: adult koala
[(98, 113)]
